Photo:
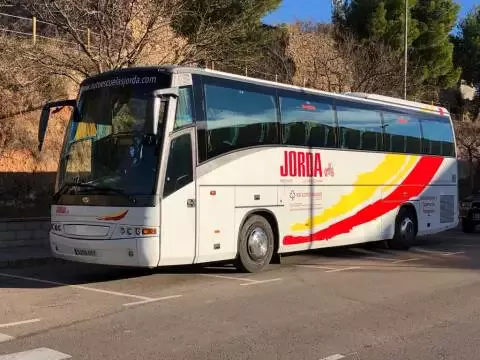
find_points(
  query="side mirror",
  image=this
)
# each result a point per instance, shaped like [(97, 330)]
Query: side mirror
[(158, 97), (45, 116)]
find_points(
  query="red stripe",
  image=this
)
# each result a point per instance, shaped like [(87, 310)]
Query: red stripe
[(114, 218), (412, 186)]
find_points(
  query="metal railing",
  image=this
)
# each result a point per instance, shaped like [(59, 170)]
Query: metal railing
[(35, 29)]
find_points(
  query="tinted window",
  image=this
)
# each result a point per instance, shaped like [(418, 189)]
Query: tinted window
[(307, 123), (184, 114), (359, 129), (402, 133), (437, 137), (238, 118), (180, 165)]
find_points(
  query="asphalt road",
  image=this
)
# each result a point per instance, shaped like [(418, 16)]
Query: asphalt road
[(347, 303)]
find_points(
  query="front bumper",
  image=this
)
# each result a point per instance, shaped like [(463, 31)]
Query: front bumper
[(139, 252), (471, 214)]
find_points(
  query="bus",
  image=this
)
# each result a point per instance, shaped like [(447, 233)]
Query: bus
[(173, 165)]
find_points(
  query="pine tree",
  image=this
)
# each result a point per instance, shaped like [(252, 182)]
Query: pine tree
[(432, 49), (236, 25), (467, 47), (429, 25)]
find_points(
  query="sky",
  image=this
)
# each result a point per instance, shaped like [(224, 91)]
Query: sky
[(320, 11)]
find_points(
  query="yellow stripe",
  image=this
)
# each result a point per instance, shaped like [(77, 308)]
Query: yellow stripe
[(412, 160), (392, 164)]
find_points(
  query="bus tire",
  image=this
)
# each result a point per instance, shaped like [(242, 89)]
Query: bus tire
[(255, 245), (468, 226), (405, 230)]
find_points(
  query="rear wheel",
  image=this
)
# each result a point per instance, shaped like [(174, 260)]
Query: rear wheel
[(405, 230), (468, 226), (255, 245)]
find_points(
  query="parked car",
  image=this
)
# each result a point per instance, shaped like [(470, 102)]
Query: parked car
[(470, 212)]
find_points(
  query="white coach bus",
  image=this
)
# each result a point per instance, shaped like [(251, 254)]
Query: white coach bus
[(174, 165)]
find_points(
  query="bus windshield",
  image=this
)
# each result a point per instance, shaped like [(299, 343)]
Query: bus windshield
[(107, 144)]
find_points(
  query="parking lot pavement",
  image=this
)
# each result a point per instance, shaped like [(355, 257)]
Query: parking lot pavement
[(333, 289)]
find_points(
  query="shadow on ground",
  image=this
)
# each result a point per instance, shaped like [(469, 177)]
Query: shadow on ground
[(60, 273)]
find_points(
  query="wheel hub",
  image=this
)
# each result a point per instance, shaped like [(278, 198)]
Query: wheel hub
[(407, 228), (257, 244)]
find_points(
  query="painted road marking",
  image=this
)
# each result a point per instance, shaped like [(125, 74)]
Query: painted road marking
[(405, 260), (380, 258), (19, 323), (144, 299), (330, 269), (229, 278), (334, 357), (5, 337), (36, 354), (435, 252), (317, 267), (246, 281), (257, 282), (153, 300), (344, 269)]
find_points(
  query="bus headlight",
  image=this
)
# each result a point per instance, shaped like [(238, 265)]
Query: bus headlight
[(135, 231)]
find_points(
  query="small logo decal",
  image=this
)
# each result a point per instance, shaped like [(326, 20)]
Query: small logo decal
[(292, 194), (114, 217), (61, 210), (85, 200)]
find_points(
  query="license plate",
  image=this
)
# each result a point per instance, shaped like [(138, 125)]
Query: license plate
[(85, 252)]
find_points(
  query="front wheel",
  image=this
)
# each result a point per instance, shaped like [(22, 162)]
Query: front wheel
[(255, 245), (405, 230)]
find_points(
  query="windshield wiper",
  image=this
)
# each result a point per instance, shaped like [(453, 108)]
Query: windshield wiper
[(105, 189)]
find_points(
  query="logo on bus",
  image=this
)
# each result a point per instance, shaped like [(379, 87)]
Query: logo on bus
[(302, 164), (61, 210)]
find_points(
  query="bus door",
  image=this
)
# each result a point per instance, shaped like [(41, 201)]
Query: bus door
[(178, 200)]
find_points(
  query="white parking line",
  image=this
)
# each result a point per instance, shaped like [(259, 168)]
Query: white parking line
[(5, 337), (380, 258), (229, 278), (316, 267), (436, 252), (246, 281), (19, 323), (36, 354), (329, 269), (257, 282), (344, 269), (152, 300), (144, 299), (405, 260), (334, 357)]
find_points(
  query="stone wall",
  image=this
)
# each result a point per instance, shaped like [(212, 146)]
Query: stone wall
[(24, 232)]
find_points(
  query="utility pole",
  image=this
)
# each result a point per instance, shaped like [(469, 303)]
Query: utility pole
[(406, 51)]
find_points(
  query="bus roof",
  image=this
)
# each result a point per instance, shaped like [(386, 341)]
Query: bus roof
[(357, 97), (393, 100)]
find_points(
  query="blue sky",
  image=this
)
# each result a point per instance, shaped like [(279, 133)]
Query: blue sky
[(319, 10)]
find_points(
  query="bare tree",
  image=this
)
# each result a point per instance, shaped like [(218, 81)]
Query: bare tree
[(468, 144), (330, 59), (100, 35)]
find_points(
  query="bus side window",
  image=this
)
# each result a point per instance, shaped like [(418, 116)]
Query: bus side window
[(360, 129), (184, 113), (402, 133), (307, 123), (437, 136), (180, 165), (238, 116)]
